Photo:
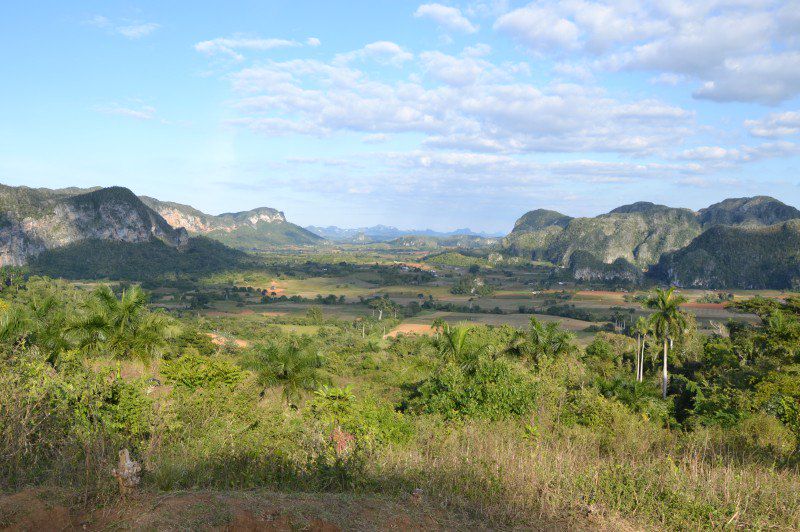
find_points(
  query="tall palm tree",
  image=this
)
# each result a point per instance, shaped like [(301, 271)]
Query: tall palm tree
[(124, 327), (666, 321), (641, 328)]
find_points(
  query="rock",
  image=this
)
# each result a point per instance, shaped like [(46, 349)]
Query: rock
[(127, 473)]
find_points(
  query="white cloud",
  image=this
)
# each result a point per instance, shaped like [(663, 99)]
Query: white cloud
[(136, 31), (775, 125), (230, 46), (540, 29), (376, 138), (382, 52), (128, 29), (737, 50), (447, 17), (313, 41), (742, 154), (474, 104), (768, 79), (137, 111)]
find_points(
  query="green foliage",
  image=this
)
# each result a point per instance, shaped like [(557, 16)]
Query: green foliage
[(55, 421), (123, 327), (472, 285), (488, 389), (197, 371), (148, 261), (779, 394), (370, 422), (726, 257), (295, 366)]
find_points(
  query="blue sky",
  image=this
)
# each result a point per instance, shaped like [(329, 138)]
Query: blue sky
[(412, 114)]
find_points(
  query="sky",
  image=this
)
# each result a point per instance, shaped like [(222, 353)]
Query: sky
[(412, 114)]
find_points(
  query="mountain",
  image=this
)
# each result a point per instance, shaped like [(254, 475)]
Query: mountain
[(384, 233), (434, 242), (638, 233), (745, 256), (257, 229), (33, 221), (755, 211)]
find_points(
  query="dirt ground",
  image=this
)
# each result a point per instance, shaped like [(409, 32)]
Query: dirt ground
[(40, 510), (221, 340), (410, 328)]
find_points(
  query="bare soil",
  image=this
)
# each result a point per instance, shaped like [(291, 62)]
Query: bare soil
[(35, 510)]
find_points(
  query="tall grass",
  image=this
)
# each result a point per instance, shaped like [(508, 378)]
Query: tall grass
[(647, 476)]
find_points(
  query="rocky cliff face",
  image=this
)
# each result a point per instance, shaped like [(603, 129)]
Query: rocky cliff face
[(195, 221), (638, 233), (255, 229), (35, 220), (642, 233)]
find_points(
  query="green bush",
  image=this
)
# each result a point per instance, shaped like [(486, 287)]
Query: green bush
[(198, 371), (367, 420), (492, 389), (65, 424)]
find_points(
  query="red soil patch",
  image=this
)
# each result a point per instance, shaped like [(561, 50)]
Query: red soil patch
[(220, 340), (409, 328), (31, 510)]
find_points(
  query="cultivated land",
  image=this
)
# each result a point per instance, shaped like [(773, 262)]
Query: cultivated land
[(360, 388)]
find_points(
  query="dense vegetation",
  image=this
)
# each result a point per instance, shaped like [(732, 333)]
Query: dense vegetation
[(521, 427), (737, 257), (147, 261)]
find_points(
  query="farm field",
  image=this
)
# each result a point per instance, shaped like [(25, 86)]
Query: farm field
[(317, 387)]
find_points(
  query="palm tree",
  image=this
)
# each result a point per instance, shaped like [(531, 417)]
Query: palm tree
[(453, 345), (642, 329), (124, 327), (548, 341), (293, 366), (666, 321), (438, 326)]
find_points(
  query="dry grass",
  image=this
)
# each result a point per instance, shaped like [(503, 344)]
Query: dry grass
[(620, 481)]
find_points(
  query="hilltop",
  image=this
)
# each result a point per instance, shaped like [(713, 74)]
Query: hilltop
[(33, 221), (739, 242), (256, 229)]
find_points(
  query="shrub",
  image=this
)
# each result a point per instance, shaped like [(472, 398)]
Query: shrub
[(198, 371), (491, 389)]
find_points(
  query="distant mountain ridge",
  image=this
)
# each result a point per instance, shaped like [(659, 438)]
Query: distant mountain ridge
[(385, 233), (256, 229), (738, 242), (37, 221)]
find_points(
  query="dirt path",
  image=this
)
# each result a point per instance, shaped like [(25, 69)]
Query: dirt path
[(36, 510)]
